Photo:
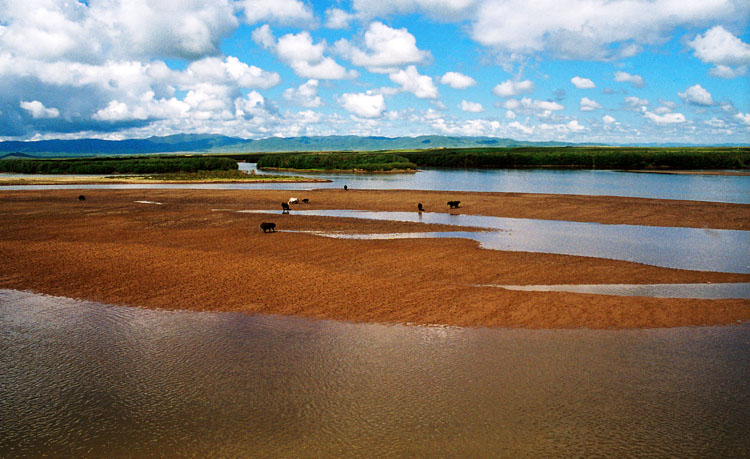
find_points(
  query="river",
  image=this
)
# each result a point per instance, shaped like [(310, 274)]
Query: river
[(711, 188), (86, 379)]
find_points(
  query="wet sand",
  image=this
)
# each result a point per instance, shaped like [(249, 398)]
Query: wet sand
[(184, 255)]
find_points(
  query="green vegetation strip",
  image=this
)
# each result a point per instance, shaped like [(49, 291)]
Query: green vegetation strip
[(370, 162), (585, 158), (629, 158), (140, 165)]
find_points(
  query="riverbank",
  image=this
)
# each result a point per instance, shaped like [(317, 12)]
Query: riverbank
[(340, 171), (140, 180), (184, 254), (727, 173)]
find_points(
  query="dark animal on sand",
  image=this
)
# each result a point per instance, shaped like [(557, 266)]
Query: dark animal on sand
[(305, 201), (81, 198), (346, 187), (454, 204), (268, 227), (419, 207), (284, 208)]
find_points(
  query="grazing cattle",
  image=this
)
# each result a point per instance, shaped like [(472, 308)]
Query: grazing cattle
[(293, 201), (284, 208), (419, 207), (454, 204), (268, 227), (346, 187), (305, 201), (81, 197)]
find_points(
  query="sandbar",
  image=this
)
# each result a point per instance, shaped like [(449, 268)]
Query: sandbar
[(141, 180), (194, 253)]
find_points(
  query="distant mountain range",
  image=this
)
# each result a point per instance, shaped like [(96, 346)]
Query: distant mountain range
[(206, 143), (197, 143)]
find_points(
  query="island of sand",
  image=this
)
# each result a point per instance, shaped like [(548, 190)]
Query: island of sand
[(187, 249)]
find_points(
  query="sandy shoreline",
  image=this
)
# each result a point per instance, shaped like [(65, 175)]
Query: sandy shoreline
[(183, 255), (677, 172), (83, 180)]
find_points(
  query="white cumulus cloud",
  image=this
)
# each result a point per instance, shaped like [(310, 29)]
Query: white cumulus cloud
[(521, 127), (474, 107), (634, 101), (589, 105), (231, 70), (477, 127), (575, 126), (38, 110), (743, 118), (582, 83), (285, 12), (306, 95), (115, 29), (697, 95), (527, 103), (729, 54), (591, 29), (669, 118), (305, 57), (337, 18), (510, 88), (386, 49), (411, 81), (625, 77), (442, 9), (457, 80), (363, 104)]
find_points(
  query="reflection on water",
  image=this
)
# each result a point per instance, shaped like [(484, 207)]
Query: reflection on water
[(701, 291), (680, 248), (552, 181), (715, 188), (79, 378)]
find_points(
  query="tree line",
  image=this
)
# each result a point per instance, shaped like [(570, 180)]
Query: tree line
[(158, 165), (585, 158), (337, 161)]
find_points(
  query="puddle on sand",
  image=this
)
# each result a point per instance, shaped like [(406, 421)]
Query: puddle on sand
[(698, 291), (149, 202), (670, 247)]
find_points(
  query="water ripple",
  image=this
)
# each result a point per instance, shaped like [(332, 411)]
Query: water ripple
[(86, 379)]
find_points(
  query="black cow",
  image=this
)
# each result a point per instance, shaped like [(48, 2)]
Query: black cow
[(419, 207), (305, 201), (81, 197), (268, 227), (284, 208), (454, 204), (346, 187)]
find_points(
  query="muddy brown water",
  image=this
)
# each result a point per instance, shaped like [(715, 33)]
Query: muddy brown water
[(86, 379)]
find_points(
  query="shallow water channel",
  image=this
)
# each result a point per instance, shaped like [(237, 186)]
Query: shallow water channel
[(86, 379), (713, 188), (704, 291), (680, 248)]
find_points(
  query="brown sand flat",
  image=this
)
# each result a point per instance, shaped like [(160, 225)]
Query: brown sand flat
[(183, 255)]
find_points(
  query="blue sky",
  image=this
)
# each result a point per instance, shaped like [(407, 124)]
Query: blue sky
[(610, 71)]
